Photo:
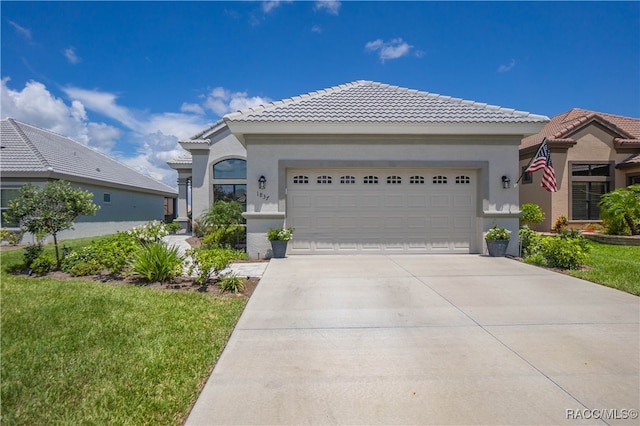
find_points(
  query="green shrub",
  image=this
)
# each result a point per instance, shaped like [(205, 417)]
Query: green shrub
[(172, 227), (564, 252), (157, 262), (224, 236), (84, 268), (496, 233), (43, 264), (536, 259), (620, 210), (31, 253), (529, 240), (232, 283), (115, 251), (75, 262), (532, 215), (223, 224), (210, 261)]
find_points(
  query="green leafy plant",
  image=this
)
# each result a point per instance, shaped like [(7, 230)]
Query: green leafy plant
[(156, 261), (81, 262), (208, 262), (49, 210), (529, 240), (223, 224), (114, 252), (42, 264), (497, 233), (31, 253), (12, 237), (620, 210), (231, 282), (564, 253), (280, 234), (532, 215), (172, 227)]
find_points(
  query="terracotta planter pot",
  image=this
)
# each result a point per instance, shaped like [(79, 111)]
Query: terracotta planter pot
[(279, 249), (497, 248)]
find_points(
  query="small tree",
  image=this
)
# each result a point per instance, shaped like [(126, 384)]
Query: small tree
[(620, 209), (49, 210)]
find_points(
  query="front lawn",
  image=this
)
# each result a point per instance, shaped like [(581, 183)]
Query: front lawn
[(613, 266), (80, 352)]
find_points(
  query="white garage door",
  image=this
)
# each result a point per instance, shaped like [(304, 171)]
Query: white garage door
[(381, 210)]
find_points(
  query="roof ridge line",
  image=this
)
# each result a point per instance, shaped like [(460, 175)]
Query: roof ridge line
[(27, 141)]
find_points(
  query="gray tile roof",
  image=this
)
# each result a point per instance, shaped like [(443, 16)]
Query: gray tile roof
[(182, 160), (29, 151), (371, 102)]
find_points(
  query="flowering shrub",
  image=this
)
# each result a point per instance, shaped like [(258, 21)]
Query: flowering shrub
[(280, 234), (209, 262), (151, 232)]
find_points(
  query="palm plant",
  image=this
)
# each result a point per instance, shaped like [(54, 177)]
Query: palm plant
[(621, 208)]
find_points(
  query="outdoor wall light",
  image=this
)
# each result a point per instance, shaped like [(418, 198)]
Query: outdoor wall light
[(506, 182), (262, 182)]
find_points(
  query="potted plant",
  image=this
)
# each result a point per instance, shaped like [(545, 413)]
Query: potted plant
[(497, 241), (279, 238)]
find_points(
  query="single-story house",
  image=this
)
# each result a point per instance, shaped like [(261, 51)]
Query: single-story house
[(363, 167), (126, 198), (592, 153)]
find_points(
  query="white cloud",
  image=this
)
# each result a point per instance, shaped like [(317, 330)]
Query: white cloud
[(508, 67), (105, 104), (71, 55), (24, 32), (222, 101), (391, 49), (330, 6), (268, 6), (316, 29), (193, 108)]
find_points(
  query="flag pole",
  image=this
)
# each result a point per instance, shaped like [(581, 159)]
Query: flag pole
[(544, 141)]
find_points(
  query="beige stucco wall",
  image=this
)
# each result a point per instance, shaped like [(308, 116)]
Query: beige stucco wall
[(270, 156), (594, 144)]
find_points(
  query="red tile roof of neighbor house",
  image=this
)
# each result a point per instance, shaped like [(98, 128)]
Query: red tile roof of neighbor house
[(562, 126)]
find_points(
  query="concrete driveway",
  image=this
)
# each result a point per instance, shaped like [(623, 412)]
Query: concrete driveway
[(413, 339)]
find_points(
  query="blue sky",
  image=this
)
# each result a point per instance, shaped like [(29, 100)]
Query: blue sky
[(131, 78)]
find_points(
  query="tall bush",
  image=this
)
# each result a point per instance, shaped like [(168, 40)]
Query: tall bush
[(620, 210), (157, 262), (532, 215)]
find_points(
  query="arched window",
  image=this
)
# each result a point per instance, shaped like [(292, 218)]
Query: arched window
[(230, 181)]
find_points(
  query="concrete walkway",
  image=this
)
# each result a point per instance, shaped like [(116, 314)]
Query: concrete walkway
[(241, 269), (437, 339)]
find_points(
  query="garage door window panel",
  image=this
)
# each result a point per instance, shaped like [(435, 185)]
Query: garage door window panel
[(348, 180), (370, 180), (416, 180), (439, 180)]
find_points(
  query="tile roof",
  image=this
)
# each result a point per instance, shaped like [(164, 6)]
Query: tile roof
[(182, 160), (633, 161), (371, 102), (563, 125), (28, 150)]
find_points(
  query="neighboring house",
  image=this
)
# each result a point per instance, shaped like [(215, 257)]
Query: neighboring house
[(363, 167), (126, 198), (592, 153)]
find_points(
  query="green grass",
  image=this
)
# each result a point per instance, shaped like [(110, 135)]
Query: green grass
[(78, 352), (613, 266)]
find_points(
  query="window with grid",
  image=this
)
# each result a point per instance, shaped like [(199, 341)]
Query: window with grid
[(416, 180), (324, 179), (300, 179), (438, 180), (348, 179), (463, 180), (588, 183), (394, 180), (370, 180)]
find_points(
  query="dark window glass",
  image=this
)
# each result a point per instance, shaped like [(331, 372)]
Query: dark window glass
[(585, 199), (231, 193), (590, 170), (233, 168), (6, 195)]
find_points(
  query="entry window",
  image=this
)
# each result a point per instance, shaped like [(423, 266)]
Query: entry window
[(370, 180), (324, 180), (348, 179), (588, 183), (394, 180), (439, 180), (416, 180), (300, 179), (230, 181), (463, 180)]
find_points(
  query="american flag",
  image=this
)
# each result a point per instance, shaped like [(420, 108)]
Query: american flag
[(542, 160)]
